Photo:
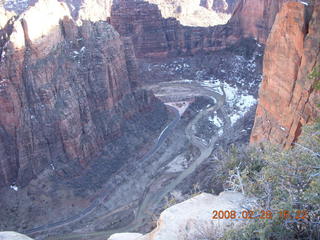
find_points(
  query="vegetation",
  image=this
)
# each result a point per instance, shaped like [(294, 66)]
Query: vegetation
[(315, 75), (280, 181)]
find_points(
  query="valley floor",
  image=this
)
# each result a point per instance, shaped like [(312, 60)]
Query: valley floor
[(208, 114)]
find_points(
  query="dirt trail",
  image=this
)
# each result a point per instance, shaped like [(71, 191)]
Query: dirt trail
[(151, 199)]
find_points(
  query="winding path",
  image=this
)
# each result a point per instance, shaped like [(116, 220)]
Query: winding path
[(164, 134), (150, 199)]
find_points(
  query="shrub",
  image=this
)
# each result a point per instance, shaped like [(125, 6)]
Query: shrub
[(282, 180)]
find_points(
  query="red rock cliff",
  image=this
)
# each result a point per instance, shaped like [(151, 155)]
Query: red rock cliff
[(158, 27), (65, 90), (255, 18), (287, 97), (154, 35)]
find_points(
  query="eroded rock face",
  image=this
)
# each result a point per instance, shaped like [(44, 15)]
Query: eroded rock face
[(192, 219), (161, 28), (64, 92), (287, 97), (156, 36), (255, 18)]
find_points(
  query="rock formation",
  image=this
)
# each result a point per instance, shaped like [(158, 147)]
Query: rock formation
[(65, 90), (188, 219), (287, 96), (158, 27), (13, 236), (156, 36), (255, 18)]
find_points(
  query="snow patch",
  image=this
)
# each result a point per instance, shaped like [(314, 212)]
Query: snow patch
[(304, 3), (14, 187), (239, 102), (216, 121), (52, 166)]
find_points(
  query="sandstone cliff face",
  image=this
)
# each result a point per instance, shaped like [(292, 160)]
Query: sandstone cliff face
[(162, 28), (287, 97), (156, 36), (177, 223), (256, 17), (64, 92)]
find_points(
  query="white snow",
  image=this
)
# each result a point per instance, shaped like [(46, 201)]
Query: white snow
[(239, 102), (282, 128), (52, 166), (243, 104), (72, 7), (216, 121), (231, 92), (14, 187)]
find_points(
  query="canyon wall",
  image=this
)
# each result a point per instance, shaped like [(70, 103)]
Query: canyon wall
[(287, 96), (156, 36), (65, 91), (161, 28), (256, 17)]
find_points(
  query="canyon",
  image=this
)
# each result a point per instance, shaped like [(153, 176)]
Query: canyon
[(50, 107), (154, 36), (109, 108)]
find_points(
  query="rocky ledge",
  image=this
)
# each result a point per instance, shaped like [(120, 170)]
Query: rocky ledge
[(13, 236), (192, 219)]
